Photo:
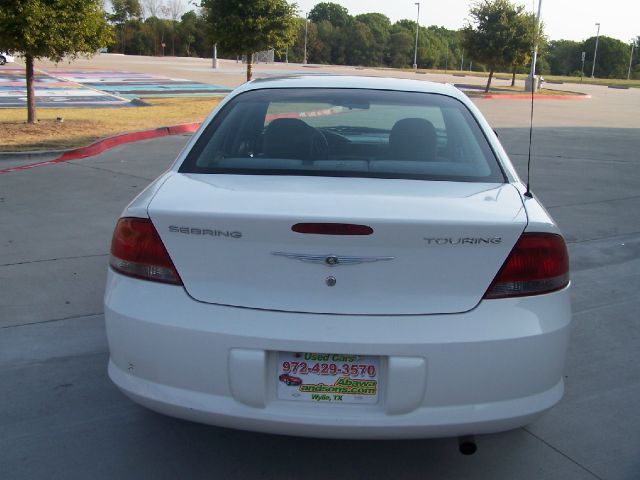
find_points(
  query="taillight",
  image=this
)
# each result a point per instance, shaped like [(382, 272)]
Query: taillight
[(538, 264), (138, 251)]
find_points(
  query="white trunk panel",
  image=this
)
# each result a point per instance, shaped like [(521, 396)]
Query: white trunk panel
[(236, 222)]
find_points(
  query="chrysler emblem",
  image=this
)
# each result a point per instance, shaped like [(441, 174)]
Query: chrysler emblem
[(331, 260)]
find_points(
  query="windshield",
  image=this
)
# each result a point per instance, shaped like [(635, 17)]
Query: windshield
[(345, 132)]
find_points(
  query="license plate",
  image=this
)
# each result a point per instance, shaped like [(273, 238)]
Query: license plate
[(328, 377)]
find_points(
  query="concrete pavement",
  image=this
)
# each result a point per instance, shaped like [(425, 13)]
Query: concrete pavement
[(60, 417), (607, 107)]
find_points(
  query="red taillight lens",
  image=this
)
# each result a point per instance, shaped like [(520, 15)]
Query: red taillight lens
[(137, 251), (538, 264)]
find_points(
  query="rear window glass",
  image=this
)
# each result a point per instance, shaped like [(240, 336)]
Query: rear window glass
[(345, 132)]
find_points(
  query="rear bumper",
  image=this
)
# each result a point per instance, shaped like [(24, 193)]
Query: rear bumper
[(491, 369)]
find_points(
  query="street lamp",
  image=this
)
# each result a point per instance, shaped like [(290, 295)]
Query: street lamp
[(534, 58), (446, 58), (633, 43), (306, 29), (415, 52), (595, 52)]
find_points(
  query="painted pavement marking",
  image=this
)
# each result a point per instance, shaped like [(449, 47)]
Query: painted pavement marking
[(136, 85), (68, 87), (52, 92)]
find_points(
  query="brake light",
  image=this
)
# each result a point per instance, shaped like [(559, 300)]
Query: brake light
[(538, 263), (332, 229), (137, 251)]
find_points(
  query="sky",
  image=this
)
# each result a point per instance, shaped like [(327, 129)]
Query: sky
[(563, 19)]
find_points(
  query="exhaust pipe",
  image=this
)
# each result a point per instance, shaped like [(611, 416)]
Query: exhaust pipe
[(467, 445)]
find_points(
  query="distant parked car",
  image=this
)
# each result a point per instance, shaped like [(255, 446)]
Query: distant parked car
[(6, 58)]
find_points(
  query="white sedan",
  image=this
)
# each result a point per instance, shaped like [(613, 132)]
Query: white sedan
[(341, 257), (6, 58)]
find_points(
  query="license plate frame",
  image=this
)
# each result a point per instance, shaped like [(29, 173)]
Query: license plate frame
[(328, 378)]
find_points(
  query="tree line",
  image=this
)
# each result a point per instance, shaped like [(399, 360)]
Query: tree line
[(499, 36), (564, 57), (334, 36)]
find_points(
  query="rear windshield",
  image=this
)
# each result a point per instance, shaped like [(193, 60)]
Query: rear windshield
[(345, 132)]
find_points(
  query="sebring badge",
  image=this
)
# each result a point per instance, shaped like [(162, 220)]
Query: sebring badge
[(331, 260)]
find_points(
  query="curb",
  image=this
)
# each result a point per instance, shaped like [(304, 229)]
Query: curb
[(104, 144), (110, 142), (30, 154)]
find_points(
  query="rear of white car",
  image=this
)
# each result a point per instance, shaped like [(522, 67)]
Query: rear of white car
[(340, 257), (6, 58)]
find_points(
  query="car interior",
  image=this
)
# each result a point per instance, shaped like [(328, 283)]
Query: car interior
[(359, 139)]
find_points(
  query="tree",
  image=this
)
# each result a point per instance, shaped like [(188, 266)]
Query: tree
[(320, 50), (333, 13), (123, 11), (635, 60), (335, 27), (296, 51), (360, 40), (51, 29), (565, 57), (252, 26), (175, 9), (188, 30), (612, 60), (380, 27), (401, 48), (492, 35), (524, 39), (441, 47), (152, 8)]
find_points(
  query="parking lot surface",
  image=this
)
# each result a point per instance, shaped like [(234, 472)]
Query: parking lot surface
[(52, 91), (69, 87), (60, 416)]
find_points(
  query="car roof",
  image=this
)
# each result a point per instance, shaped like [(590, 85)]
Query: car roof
[(352, 81)]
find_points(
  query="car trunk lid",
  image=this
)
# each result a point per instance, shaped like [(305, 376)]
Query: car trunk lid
[(435, 247)]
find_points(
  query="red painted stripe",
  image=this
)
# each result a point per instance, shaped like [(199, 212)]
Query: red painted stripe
[(537, 97), (107, 143), (314, 113)]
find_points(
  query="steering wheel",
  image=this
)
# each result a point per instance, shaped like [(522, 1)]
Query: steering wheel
[(319, 145)]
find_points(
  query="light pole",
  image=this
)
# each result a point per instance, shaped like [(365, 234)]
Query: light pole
[(630, 60), (306, 29), (595, 52), (415, 52), (446, 58), (534, 58)]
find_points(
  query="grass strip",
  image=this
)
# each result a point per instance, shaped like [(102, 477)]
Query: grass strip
[(633, 83), (82, 126)]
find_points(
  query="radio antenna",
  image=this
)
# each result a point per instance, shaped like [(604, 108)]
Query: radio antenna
[(528, 191), (532, 84)]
